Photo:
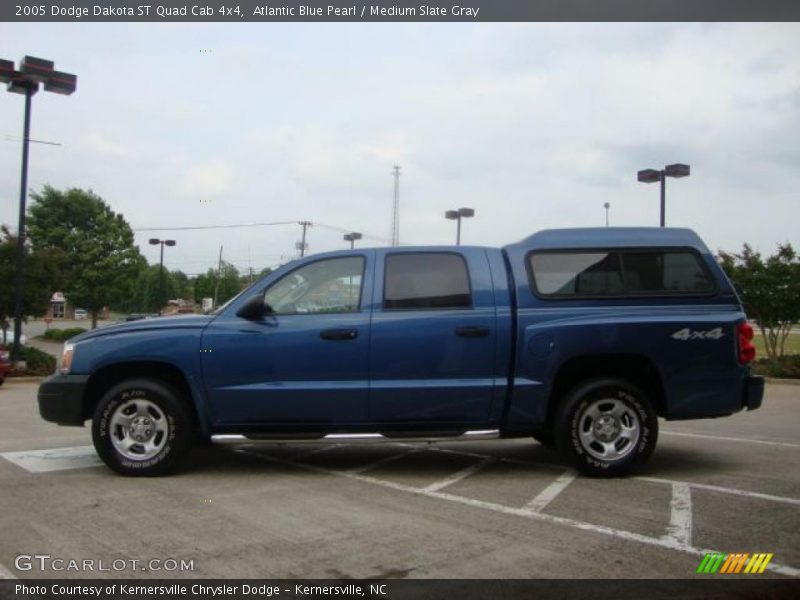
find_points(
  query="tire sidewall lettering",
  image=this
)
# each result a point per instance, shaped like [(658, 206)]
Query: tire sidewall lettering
[(629, 398)]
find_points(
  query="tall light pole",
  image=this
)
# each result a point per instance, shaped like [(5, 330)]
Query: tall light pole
[(352, 237), (653, 175), (156, 242), (607, 206), (457, 215), (395, 233), (32, 72)]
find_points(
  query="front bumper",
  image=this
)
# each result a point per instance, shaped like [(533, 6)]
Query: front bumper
[(61, 399), (753, 392)]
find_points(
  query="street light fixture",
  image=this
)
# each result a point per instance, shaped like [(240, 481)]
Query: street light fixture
[(156, 242), (653, 175), (457, 215), (352, 237), (607, 205), (32, 72)]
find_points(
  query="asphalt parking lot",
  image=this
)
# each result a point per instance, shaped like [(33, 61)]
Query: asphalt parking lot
[(492, 509)]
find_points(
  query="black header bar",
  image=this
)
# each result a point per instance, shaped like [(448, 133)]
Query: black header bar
[(399, 11)]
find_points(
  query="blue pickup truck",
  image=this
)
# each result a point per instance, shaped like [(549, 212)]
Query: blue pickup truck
[(579, 338)]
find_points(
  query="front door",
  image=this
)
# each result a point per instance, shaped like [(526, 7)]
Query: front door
[(306, 362)]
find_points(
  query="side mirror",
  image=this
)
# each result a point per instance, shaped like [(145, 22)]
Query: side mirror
[(254, 309)]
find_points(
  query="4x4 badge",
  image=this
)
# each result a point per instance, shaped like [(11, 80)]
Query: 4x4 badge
[(688, 334)]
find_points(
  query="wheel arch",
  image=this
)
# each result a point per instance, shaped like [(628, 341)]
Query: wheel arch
[(109, 375), (635, 368)]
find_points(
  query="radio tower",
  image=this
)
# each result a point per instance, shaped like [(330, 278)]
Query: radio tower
[(396, 208)]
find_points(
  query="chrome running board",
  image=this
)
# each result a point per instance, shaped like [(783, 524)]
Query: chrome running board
[(351, 438)]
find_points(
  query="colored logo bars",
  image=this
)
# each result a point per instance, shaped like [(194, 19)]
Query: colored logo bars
[(714, 562)]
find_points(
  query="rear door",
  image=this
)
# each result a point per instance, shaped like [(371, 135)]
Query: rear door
[(432, 357)]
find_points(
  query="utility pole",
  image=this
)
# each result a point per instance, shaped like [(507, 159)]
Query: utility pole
[(219, 274), (302, 245), (395, 236)]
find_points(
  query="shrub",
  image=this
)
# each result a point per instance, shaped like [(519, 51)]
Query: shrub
[(786, 367), (62, 335), (38, 362)]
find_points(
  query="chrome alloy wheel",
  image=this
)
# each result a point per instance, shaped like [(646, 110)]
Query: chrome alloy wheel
[(609, 429), (139, 429)]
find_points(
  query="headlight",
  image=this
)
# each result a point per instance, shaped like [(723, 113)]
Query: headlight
[(66, 357)]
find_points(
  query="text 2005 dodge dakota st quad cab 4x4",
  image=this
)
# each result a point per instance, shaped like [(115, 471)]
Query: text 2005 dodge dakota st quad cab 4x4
[(580, 338)]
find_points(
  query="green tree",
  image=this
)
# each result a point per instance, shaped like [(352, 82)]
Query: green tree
[(148, 289), (769, 290), (99, 260), (40, 272), (183, 286), (223, 285)]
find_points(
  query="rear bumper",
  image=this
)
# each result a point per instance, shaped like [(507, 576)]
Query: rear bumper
[(753, 392), (61, 399)]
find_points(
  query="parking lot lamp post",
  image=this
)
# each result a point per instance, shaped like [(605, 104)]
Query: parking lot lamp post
[(155, 242), (32, 72), (352, 237), (607, 205), (457, 215), (653, 175)]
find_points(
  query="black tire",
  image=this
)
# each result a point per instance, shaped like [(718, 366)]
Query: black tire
[(606, 427), (157, 415)]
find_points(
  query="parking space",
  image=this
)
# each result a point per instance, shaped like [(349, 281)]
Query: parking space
[(495, 509)]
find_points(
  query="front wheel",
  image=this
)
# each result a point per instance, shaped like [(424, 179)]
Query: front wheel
[(607, 427), (142, 427)]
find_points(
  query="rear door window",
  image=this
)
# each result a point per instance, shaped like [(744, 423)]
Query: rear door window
[(426, 280)]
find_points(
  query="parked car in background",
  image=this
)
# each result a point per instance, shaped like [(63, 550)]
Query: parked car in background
[(5, 363), (9, 338), (80, 314)]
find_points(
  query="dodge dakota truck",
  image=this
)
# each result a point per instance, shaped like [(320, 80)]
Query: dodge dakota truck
[(579, 338)]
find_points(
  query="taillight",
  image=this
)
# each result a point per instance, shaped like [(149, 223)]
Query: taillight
[(747, 351)]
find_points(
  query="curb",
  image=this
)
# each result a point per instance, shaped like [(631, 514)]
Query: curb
[(782, 381), (26, 378)]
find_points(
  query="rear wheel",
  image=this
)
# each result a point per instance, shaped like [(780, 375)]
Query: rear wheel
[(607, 427), (142, 427)]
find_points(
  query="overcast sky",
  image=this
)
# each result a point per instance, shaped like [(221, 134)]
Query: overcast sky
[(533, 125)]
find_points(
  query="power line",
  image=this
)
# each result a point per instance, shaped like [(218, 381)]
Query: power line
[(195, 227), (242, 225)]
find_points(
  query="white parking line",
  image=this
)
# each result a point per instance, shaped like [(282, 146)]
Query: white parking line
[(663, 542), (458, 476), (729, 439), (385, 460), (680, 519), (724, 490), (54, 459), (315, 450), (550, 492), (713, 488)]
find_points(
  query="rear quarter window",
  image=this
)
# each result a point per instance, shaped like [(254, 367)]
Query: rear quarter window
[(618, 273)]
